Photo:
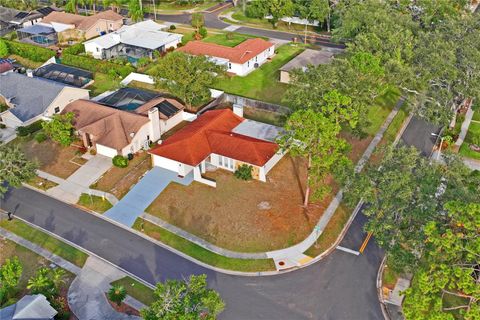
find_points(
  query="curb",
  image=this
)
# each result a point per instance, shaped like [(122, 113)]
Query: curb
[(379, 283)]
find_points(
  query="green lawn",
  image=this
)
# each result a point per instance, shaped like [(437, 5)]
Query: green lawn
[(103, 82), (45, 241), (41, 183), (200, 253), (94, 203), (380, 109), (476, 115), (262, 84), (473, 132), (228, 39), (136, 290)]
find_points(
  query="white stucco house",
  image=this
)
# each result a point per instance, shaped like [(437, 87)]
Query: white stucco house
[(240, 60), (134, 41), (31, 98), (222, 139)]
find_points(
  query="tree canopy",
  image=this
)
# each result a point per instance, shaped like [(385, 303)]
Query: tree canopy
[(189, 300), (60, 128), (186, 76), (15, 168)]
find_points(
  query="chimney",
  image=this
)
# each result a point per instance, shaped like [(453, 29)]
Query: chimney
[(238, 109), (30, 73), (154, 124)]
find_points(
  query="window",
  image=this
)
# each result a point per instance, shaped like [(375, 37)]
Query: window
[(98, 49), (220, 161), (248, 64), (57, 109), (229, 66), (256, 58)]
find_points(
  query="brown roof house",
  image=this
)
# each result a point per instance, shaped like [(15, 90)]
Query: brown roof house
[(75, 28), (114, 131)]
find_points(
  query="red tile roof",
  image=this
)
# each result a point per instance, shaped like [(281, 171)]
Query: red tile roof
[(5, 66), (212, 133), (241, 53)]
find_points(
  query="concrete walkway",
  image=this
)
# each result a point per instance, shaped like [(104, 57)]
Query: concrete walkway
[(465, 126), (7, 135), (86, 295), (130, 207), (71, 188)]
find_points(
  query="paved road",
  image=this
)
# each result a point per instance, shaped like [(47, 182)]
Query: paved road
[(342, 286)]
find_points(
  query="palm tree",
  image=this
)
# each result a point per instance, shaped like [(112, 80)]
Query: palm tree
[(135, 10), (41, 283), (72, 6)]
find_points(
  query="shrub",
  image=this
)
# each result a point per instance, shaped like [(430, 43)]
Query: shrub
[(3, 49), (96, 65), (117, 294), (27, 130), (75, 49), (172, 27), (120, 161), (203, 32), (254, 10), (142, 62), (40, 137), (230, 35), (93, 152), (29, 51), (244, 172)]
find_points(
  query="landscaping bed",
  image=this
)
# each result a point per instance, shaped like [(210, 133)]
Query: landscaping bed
[(94, 203), (45, 241), (51, 157), (263, 83), (118, 181), (245, 216), (30, 262), (201, 254)]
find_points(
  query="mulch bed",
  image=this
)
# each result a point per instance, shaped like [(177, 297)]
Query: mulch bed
[(123, 308)]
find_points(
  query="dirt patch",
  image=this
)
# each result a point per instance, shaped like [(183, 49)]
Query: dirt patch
[(51, 157), (234, 215), (124, 308), (119, 181)]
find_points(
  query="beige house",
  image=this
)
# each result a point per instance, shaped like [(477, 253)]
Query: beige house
[(76, 28), (31, 99)]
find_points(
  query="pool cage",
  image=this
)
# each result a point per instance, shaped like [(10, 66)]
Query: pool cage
[(38, 35), (128, 98), (68, 75)]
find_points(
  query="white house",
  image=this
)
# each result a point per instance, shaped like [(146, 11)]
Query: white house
[(240, 60), (222, 139), (135, 41), (32, 98)]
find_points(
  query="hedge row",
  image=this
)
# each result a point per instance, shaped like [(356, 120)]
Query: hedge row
[(28, 51), (95, 65)]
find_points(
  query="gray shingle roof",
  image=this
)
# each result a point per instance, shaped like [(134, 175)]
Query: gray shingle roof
[(309, 57), (30, 307), (30, 96)]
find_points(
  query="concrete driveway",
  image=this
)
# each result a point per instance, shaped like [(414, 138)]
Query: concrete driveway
[(130, 207)]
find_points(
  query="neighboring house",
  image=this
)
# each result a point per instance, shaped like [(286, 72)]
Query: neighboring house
[(31, 98), (222, 139), (239, 60), (124, 128), (71, 76), (75, 28), (19, 19), (29, 307), (135, 41), (305, 59), (6, 65)]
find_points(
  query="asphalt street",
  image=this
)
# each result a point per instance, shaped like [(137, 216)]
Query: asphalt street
[(342, 286)]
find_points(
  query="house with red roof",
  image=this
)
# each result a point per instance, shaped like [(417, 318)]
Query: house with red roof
[(240, 60), (222, 139)]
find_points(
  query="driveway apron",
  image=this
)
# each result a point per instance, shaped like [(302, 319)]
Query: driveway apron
[(130, 207)]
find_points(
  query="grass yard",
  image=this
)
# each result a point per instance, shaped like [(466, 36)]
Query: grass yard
[(389, 277), (94, 203), (248, 216), (476, 116), (136, 289), (118, 181), (45, 241), (41, 183), (200, 253), (51, 157), (29, 64), (472, 134), (30, 262), (171, 6), (262, 84), (331, 232), (265, 116), (103, 82), (224, 40)]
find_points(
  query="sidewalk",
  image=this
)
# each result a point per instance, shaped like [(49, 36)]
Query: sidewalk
[(86, 295), (464, 128)]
